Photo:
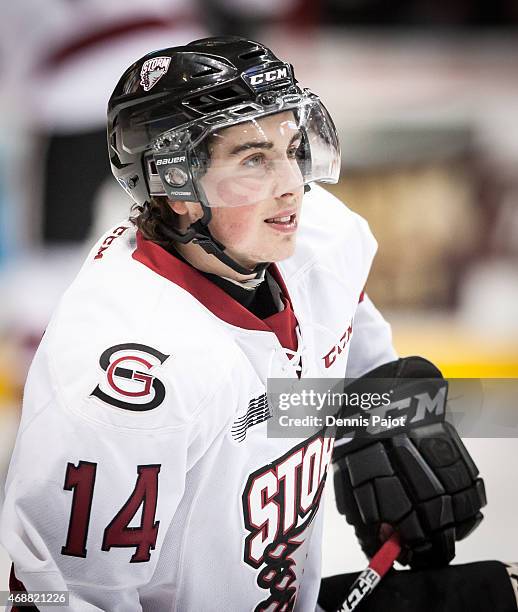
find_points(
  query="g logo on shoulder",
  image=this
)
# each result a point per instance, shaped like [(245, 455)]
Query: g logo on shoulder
[(129, 383)]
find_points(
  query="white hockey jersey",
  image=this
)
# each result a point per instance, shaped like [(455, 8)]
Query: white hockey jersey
[(142, 477)]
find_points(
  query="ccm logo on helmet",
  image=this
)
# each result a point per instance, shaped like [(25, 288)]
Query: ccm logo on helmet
[(129, 382), (170, 160), (270, 76)]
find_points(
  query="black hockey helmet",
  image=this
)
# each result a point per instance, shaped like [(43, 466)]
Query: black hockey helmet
[(168, 103)]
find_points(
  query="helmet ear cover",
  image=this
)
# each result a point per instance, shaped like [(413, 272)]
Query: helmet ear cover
[(160, 168), (169, 174)]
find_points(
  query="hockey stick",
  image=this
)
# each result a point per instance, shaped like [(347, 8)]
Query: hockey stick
[(379, 565)]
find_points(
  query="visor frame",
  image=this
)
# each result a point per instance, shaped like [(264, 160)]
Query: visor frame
[(186, 139)]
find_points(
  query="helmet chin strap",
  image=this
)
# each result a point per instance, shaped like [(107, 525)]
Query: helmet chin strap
[(199, 233)]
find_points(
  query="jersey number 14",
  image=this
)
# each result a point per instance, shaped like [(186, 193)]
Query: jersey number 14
[(81, 480)]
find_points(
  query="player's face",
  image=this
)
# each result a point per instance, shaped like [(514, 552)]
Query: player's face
[(256, 162)]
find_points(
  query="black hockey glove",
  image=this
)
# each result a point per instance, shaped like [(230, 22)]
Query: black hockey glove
[(420, 481)]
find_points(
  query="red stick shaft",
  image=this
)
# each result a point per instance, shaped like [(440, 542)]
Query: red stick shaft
[(379, 565)]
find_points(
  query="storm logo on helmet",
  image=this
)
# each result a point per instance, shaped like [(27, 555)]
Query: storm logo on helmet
[(153, 70)]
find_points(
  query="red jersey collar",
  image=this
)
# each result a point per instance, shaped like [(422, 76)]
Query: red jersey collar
[(282, 323)]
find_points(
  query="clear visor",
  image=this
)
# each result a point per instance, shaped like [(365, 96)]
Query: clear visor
[(263, 155)]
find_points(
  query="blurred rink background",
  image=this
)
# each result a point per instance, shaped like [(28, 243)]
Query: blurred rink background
[(425, 98)]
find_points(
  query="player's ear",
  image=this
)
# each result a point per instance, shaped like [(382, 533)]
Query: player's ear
[(179, 207), (189, 211)]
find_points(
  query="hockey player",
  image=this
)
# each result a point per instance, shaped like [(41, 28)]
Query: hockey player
[(142, 477)]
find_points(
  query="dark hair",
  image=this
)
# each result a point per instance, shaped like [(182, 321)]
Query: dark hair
[(151, 219)]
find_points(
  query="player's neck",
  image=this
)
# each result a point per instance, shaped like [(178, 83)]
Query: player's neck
[(201, 260)]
